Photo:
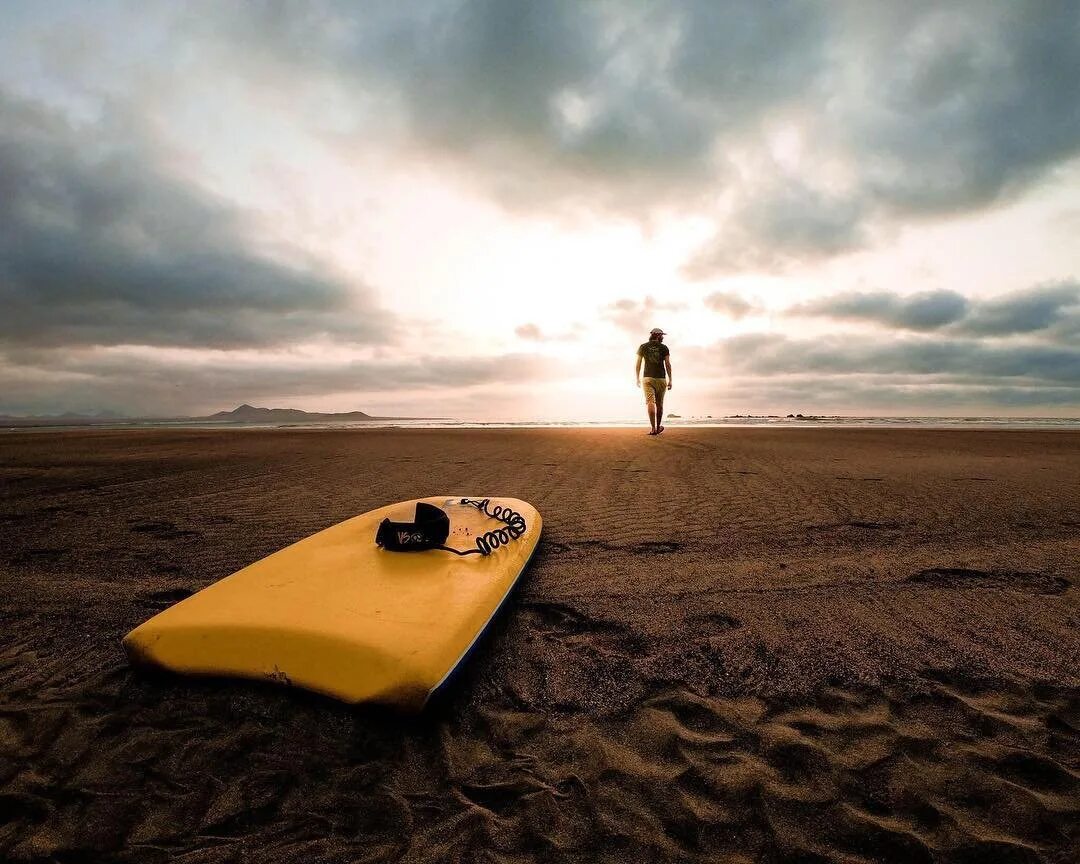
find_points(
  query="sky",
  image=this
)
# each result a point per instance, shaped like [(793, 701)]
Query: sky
[(479, 209)]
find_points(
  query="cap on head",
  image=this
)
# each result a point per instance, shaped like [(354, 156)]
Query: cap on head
[(656, 331)]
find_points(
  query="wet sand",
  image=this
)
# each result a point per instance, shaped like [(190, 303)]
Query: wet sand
[(732, 645)]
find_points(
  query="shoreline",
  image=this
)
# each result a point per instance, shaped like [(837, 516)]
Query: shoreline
[(932, 424)]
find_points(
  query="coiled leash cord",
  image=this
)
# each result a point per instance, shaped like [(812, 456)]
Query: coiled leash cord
[(489, 541), (431, 527)]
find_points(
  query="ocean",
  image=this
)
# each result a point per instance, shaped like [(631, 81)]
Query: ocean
[(735, 421)]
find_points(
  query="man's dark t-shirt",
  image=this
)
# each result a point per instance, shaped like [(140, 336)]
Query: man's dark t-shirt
[(654, 353)]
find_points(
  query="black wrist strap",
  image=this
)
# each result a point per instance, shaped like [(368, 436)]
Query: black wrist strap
[(429, 530)]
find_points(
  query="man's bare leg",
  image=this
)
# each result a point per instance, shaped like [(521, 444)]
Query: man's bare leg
[(652, 419), (658, 423)]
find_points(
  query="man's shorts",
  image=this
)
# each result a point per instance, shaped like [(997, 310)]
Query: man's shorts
[(654, 388)]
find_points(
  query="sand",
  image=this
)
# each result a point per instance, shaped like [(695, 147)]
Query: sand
[(732, 645)]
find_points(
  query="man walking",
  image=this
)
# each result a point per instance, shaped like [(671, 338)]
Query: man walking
[(657, 359)]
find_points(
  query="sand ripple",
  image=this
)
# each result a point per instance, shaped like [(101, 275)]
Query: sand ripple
[(731, 647)]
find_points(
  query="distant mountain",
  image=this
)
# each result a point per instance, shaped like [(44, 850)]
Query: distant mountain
[(251, 414)]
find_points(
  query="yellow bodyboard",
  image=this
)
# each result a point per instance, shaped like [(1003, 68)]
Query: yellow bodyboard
[(336, 614)]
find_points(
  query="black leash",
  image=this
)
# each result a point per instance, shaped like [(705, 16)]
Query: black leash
[(489, 541)]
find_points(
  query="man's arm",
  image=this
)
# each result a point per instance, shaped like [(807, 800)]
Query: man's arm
[(667, 365), (637, 372)]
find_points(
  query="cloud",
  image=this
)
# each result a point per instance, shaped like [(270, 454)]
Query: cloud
[(973, 359), (890, 375), (890, 396), (888, 112), (1048, 308), (971, 101), (525, 97), (155, 382), (730, 304), (935, 350), (778, 224), (740, 59), (1039, 308), (638, 316), (620, 103), (927, 310), (918, 110), (532, 333), (101, 245)]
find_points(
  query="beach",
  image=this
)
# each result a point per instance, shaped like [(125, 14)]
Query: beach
[(737, 645)]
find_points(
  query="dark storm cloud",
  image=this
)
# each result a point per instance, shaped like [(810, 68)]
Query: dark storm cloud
[(922, 108), (937, 350), (972, 100), (624, 101), (738, 57), (932, 110), (773, 355), (927, 310), (1050, 308), (99, 245), (1040, 308)]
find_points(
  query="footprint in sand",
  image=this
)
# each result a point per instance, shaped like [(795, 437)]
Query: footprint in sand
[(711, 623), (41, 554), (573, 627), (1015, 580), (656, 547)]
